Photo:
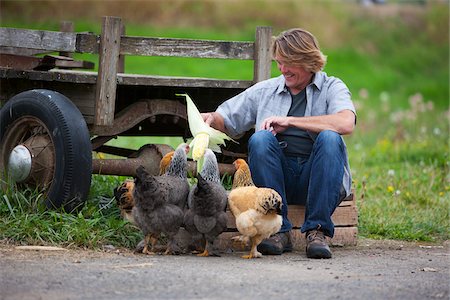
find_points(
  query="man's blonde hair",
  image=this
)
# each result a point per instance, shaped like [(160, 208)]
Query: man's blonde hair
[(298, 47)]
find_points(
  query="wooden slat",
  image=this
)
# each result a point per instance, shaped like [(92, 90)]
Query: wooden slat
[(343, 236), (147, 46), (66, 26), (126, 79), (263, 56), (153, 80), (107, 72), (342, 216), (52, 75), (37, 39), (87, 43)]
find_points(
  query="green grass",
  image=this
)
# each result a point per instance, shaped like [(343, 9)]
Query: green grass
[(25, 220), (398, 74)]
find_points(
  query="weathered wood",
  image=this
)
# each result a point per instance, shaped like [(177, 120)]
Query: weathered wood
[(342, 216), (126, 79), (343, 236), (107, 72), (136, 112), (66, 26), (121, 62), (186, 48), (154, 80), (21, 51), (37, 39), (263, 57), (88, 43)]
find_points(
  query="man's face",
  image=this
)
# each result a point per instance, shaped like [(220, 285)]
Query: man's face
[(296, 78)]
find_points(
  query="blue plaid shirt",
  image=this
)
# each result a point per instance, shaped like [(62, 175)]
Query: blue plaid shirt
[(325, 95)]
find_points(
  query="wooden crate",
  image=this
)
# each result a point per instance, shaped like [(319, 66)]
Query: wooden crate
[(345, 219)]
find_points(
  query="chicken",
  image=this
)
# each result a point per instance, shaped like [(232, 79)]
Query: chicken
[(124, 193), (160, 200), (256, 210), (124, 199), (165, 162), (242, 176), (175, 177), (207, 201)]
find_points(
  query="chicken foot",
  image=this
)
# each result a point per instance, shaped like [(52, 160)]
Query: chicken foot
[(149, 238), (256, 240)]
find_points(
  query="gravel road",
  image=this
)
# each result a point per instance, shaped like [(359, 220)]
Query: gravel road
[(371, 270)]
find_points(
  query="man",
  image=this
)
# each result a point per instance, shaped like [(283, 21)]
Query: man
[(297, 148)]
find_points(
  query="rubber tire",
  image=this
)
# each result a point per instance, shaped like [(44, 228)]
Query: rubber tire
[(73, 150)]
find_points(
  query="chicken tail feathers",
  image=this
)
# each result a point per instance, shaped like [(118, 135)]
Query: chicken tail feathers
[(141, 174), (204, 224), (269, 201)]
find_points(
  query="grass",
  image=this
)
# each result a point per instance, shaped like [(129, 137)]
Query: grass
[(397, 70)]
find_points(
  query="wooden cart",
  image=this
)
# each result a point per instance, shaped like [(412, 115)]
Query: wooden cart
[(53, 117)]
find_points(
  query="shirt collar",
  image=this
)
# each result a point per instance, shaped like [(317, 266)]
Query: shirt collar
[(318, 80), (281, 85)]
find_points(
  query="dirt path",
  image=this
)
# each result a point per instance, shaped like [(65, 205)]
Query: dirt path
[(372, 270)]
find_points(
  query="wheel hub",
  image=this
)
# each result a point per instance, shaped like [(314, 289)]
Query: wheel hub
[(19, 163)]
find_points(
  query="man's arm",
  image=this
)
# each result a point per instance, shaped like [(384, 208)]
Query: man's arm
[(342, 122), (215, 120)]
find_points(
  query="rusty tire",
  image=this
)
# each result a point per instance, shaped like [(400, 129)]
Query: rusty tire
[(50, 130)]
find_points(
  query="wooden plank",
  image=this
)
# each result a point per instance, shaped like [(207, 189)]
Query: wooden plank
[(263, 57), (121, 62), (342, 216), (66, 26), (107, 72), (52, 75), (149, 46), (343, 236), (37, 39), (87, 43), (126, 79), (154, 80)]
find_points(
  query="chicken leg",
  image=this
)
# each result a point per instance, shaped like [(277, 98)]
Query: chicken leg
[(149, 238), (256, 240)]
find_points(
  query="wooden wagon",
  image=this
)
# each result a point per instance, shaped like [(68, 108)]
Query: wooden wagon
[(61, 115)]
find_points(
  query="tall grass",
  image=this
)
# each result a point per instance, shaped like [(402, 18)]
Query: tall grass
[(396, 65)]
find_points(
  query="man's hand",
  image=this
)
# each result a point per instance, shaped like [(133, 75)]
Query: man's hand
[(208, 118), (275, 124), (215, 120)]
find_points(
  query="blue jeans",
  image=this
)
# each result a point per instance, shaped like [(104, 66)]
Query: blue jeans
[(315, 182)]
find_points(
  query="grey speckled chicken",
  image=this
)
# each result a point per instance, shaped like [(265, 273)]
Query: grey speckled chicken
[(159, 202), (175, 177), (206, 214)]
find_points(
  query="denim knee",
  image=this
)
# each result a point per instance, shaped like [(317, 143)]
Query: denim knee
[(331, 139), (261, 141)]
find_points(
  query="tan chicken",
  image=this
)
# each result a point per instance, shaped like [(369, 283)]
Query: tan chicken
[(165, 162), (124, 192), (124, 199), (256, 210), (242, 176)]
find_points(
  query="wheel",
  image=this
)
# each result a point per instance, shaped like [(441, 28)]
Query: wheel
[(45, 144)]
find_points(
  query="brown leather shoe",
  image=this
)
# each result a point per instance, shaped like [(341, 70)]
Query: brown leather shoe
[(316, 245), (276, 244)]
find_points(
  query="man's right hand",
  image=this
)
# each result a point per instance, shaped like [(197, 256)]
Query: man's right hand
[(215, 120)]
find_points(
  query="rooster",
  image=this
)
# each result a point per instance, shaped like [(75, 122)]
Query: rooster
[(256, 210), (160, 200), (206, 214)]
